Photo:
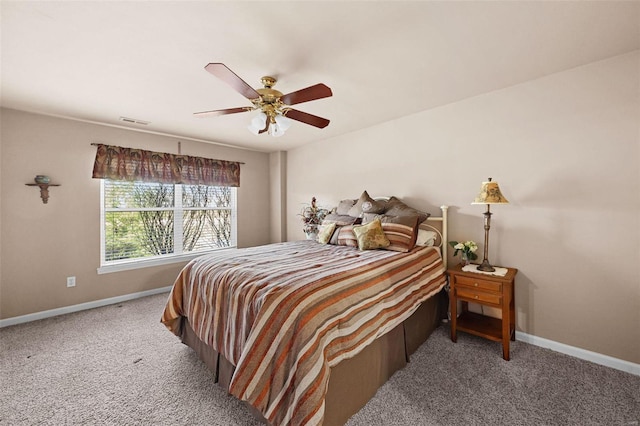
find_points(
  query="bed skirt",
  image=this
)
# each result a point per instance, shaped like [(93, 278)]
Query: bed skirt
[(353, 382)]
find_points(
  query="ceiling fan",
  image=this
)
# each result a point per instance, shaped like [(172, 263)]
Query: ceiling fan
[(275, 111)]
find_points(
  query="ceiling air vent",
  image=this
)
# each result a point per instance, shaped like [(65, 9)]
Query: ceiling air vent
[(134, 121)]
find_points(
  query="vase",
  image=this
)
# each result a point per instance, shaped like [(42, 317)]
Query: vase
[(465, 260), (42, 179), (311, 235)]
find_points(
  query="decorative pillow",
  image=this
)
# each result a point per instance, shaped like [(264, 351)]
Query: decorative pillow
[(371, 236), (344, 206), (326, 231), (409, 220), (346, 237), (400, 230), (395, 207), (334, 237), (370, 217), (401, 237), (339, 219), (426, 238), (366, 204)]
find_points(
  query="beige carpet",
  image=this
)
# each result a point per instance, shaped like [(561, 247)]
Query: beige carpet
[(117, 365)]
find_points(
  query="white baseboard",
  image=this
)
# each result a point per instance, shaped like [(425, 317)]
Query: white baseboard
[(80, 307), (594, 357)]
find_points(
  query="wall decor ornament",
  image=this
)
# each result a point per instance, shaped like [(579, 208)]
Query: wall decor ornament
[(43, 182)]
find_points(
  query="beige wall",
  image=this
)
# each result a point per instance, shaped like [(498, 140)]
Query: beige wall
[(43, 244), (565, 150), (278, 193)]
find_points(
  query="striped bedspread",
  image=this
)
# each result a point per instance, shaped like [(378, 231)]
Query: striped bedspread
[(285, 313)]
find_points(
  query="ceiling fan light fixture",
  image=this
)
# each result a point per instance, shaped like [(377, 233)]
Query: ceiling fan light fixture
[(276, 130), (258, 123), (271, 103), (253, 130), (283, 122)]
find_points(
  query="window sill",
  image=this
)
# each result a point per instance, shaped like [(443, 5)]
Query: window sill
[(147, 263)]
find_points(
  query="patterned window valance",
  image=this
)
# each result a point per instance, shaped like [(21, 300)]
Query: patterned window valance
[(118, 163)]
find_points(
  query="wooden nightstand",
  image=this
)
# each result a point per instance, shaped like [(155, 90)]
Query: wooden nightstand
[(486, 290)]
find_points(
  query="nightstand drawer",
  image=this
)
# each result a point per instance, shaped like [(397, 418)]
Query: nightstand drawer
[(479, 283), (470, 294)]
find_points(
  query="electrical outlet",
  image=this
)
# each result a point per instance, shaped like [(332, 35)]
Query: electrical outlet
[(71, 281)]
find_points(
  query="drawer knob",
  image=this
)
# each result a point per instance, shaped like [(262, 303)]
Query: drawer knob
[(476, 296), (475, 284)]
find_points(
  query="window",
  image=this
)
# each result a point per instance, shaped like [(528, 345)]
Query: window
[(146, 224)]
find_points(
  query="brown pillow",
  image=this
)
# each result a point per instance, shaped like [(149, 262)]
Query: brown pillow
[(395, 207), (344, 206), (402, 238), (366, 204), (339, 219), (409, 220)]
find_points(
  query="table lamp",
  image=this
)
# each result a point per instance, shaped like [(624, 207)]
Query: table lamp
[(489, 194)]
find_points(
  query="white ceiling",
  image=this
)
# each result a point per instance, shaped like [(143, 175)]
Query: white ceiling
[(100, 60)]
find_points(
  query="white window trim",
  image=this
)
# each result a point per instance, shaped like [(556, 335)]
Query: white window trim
[(127, 265)]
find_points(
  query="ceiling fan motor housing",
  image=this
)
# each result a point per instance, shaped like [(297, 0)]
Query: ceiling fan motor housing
[(269, 101), (270, 96)]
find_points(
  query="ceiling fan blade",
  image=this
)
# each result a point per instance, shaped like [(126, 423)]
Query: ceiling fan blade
[(310, 93), (218, 112), (239, 85), (307, 118)]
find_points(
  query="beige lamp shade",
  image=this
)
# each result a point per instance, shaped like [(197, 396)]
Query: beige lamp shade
[(490, 194)]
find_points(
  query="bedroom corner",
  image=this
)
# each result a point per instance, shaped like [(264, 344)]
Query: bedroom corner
[(43, 244)]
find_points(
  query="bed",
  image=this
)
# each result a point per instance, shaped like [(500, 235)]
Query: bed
[(305, 332)]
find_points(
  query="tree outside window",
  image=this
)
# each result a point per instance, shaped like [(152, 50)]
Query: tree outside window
[(145, 220)]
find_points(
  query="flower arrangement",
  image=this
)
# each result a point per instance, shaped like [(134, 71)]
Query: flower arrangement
[(468, 249), (312, 217)]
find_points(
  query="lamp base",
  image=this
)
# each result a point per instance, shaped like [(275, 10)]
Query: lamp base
[(485, 266)]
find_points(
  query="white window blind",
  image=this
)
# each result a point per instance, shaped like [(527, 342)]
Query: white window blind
[(143, 222)]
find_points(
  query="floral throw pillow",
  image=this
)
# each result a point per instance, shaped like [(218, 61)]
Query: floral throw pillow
[(326, 231), (371, 236)]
